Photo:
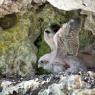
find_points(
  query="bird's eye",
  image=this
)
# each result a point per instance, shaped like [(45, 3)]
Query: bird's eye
[(41, 61), (47, 31)]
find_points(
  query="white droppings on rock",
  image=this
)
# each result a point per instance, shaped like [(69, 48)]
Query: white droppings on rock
[(8, 86), (5, 84)]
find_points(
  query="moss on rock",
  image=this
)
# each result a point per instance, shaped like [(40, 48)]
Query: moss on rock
[(16, 48), (11, 37), (86, 38)]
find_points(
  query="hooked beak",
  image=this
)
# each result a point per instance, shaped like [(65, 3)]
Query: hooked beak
[(42, 62)]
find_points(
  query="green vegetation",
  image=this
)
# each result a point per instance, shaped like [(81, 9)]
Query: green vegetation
[(86, 38), (42, 46), (9, 38)]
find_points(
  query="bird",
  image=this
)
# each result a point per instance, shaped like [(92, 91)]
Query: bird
[(64, 48)]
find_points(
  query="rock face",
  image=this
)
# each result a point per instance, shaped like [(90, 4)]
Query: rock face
[(59, 84), (17, 53), (90, 22), (73, 85), (68, 5), (17, 6)]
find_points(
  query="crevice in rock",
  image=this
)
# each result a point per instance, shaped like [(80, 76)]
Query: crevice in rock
[(8, 21)]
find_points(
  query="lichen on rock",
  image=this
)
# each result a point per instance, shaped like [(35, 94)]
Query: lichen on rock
[(15, 46)]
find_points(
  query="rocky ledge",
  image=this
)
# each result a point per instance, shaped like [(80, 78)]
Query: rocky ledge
[(59, 84)]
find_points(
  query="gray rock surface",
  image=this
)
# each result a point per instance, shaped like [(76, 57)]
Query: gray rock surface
[(90, 22), (20, 61), (60, 84), (87, 5), (17, 6), (17, 52)]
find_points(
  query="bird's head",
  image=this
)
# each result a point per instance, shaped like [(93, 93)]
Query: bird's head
[(46, 63)]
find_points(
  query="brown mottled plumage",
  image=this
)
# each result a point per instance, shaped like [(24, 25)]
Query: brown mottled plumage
[(67, 38)]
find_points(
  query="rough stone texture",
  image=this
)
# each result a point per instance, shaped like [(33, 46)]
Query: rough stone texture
[(68, 5), (60, 84), (17, 6), (84, 92), (90, 22), (71, 85), (17, 53), (8, 7)]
